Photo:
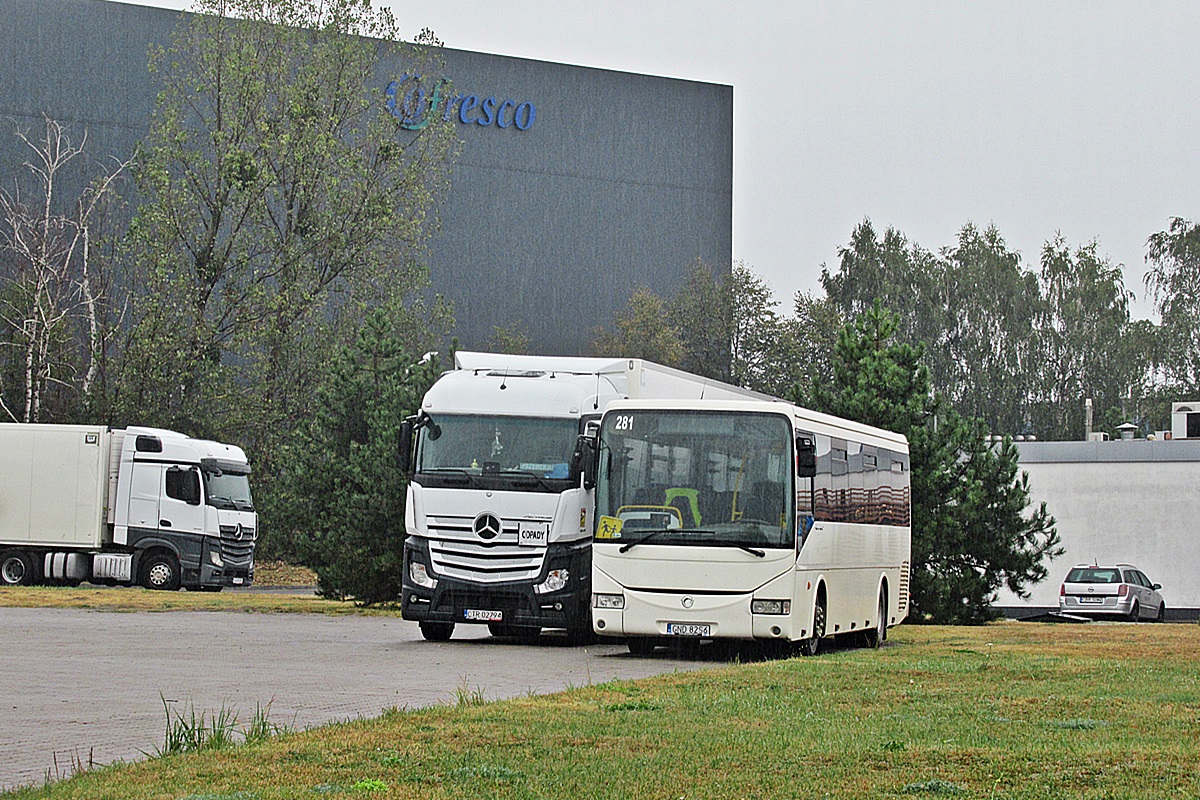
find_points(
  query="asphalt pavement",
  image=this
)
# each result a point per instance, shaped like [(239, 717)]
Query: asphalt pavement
[(84, 687)]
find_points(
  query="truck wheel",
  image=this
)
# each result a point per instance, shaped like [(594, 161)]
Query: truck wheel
[(16, 568), (161, 571), (437, 631)]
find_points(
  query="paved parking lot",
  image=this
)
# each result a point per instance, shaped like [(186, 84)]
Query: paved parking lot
[(80, 686)]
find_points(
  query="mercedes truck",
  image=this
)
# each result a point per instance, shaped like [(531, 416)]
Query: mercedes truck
[(498, 523), (134, 506)]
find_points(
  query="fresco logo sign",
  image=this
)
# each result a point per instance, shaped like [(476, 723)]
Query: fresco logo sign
[(409, 103)]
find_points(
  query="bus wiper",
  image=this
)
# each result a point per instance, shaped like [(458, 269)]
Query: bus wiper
[(635, 542), (754, 551)]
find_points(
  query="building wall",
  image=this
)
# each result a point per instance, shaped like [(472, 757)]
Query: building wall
[(1133, 502), (622, 181)]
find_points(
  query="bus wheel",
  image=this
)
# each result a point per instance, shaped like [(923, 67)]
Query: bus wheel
[(641, 647), (812, 645), (876, 636), (437, 631)]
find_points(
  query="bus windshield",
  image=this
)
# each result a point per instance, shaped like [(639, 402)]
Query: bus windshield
[(476, 444), (707, 478)]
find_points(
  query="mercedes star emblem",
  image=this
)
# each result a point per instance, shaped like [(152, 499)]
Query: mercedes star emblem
[(487, 526)]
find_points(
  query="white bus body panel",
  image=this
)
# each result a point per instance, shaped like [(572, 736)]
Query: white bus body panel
[(851, 561)]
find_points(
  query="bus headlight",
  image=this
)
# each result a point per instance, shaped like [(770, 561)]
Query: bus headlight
[(770, 606), (555, 581), (608, 601), (420, 576)]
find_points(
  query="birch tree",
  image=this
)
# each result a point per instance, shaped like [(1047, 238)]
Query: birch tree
[(52, 295)]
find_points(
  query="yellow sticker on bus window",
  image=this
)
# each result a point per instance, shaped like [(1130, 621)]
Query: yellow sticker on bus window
[(608, 528), (583, 519)]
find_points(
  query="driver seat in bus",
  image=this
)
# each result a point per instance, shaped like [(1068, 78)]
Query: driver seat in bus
[(684, 500)]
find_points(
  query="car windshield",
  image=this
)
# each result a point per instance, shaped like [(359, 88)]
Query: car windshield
[(476, 444), (719, 479), (1094, 575)]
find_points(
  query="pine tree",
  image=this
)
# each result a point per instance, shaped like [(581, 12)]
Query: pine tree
[(972, 530)]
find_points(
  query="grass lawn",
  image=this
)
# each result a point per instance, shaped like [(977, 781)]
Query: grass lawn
[(1010, 710)]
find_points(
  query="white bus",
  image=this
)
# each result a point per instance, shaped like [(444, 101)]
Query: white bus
[(747, 520)]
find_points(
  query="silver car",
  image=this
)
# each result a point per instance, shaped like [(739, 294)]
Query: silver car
[(1121, 590)]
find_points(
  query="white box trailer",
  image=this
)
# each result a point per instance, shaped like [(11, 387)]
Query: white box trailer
[(142, 505), (499, 526)]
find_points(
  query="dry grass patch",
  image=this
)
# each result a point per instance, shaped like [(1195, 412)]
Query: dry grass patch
[(130, 598)]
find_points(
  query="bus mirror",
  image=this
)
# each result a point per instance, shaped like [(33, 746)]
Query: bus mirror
[(404, 445), (806, 457)]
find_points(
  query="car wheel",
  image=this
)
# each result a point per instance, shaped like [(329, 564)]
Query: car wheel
[(161, 571), (437, 631), (812, 645), (16, 568), (1135, 612), (1162, 613)]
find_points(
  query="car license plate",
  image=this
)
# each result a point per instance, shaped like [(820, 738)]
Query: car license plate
[(533, 534), (1086, 599), (482, 615), (684, 629)]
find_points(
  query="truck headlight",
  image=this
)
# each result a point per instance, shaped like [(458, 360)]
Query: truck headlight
[(420, 576), (215, 557), (555, 581), (770, 606), (608, 601)]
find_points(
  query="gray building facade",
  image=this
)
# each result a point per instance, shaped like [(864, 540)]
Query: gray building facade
[(1128, 502), (574, 186)]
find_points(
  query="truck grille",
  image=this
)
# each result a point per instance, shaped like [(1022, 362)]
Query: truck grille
[(237, 548), (457, 552)]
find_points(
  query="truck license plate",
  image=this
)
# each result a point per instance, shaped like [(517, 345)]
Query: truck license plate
[(481, 615), (533, 534), (682, 629), (238, 581)]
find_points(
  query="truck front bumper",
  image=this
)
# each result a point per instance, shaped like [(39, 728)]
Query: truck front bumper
[(515, 604)]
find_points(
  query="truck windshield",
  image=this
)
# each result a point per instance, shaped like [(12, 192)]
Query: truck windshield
[(475, 444), (720, 479), (228, 490)]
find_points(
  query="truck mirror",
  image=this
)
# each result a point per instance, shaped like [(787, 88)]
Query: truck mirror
[(583, 460), (404, 445), (806, 457)]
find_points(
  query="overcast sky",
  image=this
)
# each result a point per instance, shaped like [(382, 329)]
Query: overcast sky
[(1079, 117)]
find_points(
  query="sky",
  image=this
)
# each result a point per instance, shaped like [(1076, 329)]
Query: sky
[(1039, 117)]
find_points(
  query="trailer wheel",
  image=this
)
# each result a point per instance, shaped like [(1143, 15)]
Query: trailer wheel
[(16, 568), (161, 571)]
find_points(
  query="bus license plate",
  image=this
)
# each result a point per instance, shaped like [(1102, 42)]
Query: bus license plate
[(683, 629), (481, 615)]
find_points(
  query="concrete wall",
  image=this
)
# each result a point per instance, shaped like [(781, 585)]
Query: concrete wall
[(1134, 502), (622, 181)]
